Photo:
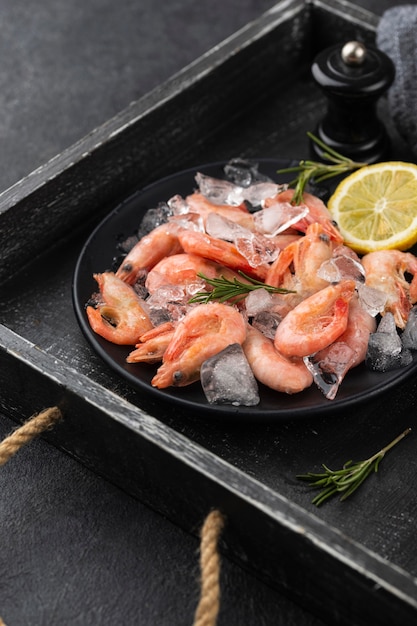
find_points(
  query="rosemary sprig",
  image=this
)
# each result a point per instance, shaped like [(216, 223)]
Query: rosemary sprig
[(318, 172), (225, 289), (349, 478)]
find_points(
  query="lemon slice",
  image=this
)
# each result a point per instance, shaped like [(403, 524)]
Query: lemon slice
[(376, 207)]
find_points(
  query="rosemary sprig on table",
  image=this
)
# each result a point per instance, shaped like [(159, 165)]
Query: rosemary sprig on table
[(349, 478), (316, 171), (225, 289)]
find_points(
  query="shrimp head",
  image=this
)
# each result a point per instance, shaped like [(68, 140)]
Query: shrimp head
[(119, 316)]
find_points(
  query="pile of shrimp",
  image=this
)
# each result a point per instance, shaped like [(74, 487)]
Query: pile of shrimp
[(316, 330)]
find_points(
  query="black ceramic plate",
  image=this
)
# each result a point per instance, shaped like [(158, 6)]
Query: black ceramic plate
[(97, 255)]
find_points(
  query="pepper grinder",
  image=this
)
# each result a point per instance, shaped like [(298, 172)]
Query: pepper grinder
[(353, 77)]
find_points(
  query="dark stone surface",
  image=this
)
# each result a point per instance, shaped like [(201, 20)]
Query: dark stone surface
[(75, 549)]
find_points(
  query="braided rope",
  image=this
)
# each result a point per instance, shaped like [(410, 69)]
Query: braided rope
[(208, 607), (29, 430)]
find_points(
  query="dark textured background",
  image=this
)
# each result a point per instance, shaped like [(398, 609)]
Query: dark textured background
[(74, 549)]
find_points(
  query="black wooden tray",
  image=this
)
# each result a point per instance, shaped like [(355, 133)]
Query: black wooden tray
[(351, 563)]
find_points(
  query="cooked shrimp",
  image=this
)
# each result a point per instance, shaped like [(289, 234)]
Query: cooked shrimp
[(203, 332), (219, 251), (317, 212), (120, 316), (197, 203), (316, 322), (182, 269), (272, 368), (162, 241), (360, 325), (385, 270), (297, 266), (152, 345), (330, 365)]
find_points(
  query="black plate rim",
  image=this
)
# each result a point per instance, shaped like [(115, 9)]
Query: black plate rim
[(388, 380)]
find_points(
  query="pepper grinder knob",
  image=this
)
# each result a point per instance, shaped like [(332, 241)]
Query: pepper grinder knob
[(353, 77)]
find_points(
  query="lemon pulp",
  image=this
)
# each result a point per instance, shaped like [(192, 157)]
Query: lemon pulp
[(376, 207)]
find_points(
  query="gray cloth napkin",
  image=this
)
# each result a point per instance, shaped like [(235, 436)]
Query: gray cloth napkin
[(397, 37)]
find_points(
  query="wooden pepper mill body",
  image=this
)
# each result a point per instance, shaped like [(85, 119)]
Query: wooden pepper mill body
[(353, 78)]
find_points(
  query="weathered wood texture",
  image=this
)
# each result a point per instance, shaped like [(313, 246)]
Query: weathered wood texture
[(250, 97)]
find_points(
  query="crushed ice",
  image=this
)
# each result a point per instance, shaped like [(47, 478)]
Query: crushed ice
[(256, 249), (153, 218), (170, 303), (220, 191)]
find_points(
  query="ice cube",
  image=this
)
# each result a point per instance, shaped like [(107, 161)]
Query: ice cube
[(227, 378), (409, 334), (257, 301), (383, 353), (219, 191), (278, 217), (372, 300), (168, 303), (266, 322), (387, 325), (256, 249), (330, 366), (256, 193), (189, 221), (178, 205), (222, 228), (341, 267)]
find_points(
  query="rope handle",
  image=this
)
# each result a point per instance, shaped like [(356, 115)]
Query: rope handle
[(208, 607), (209, 604), (34, 426)]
